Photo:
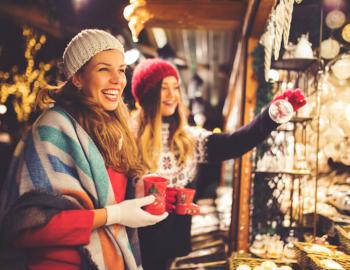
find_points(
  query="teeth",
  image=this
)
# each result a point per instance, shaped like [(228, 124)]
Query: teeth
[(111, 92)]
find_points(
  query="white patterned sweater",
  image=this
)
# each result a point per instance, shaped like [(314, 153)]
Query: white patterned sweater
[(181, 175)]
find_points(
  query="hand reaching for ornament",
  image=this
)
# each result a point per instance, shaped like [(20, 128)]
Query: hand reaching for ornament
[(294, 96), (282, 106)]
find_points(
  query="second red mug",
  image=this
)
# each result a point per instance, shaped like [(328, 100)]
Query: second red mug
[(184, 205)]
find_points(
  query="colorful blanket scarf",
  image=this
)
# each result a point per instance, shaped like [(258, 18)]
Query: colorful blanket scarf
[(35, 208), (58, 157)]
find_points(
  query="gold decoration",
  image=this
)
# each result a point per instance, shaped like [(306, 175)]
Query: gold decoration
[(346, 32), (137, 15), (217, 130), (24, 87)]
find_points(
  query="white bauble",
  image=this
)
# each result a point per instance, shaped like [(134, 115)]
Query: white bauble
[(268, 265), (335, 19), (327, 91), (285, 267), (329, 48), (323, 125), (243, 267), (335, 110), (341, 68)]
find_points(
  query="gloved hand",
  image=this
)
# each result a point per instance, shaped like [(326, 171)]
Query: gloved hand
[(130, 213), (170, 199), (294, 96)]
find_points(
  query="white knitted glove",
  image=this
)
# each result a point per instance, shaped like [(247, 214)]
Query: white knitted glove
[(281, 111), (129, 213)]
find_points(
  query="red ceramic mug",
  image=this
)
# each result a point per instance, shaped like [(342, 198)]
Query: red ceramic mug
[(155, 185), (184, 205)]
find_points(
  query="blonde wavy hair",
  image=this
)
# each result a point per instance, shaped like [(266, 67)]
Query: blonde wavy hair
[(109, 130), (149, 130)]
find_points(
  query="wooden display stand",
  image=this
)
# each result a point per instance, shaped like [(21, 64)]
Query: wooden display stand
[(242, 92)]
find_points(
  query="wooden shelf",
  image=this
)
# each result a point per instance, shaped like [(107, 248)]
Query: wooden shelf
[(300, 119), (291, 172), (296, 64)]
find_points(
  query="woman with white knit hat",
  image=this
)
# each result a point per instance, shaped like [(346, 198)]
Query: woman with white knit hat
[(67, 202)]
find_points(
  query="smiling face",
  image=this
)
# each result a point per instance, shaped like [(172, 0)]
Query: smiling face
[(170, 96), (103, 78)]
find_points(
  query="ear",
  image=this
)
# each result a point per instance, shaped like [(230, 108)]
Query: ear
[(77, 81)]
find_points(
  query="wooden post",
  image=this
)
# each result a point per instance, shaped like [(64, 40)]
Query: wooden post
[(254, 23), (246, 164)]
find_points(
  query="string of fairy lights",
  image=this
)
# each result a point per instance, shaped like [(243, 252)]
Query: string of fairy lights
[(24, 87)]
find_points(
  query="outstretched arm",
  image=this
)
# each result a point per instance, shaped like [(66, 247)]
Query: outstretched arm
[(232, 145)]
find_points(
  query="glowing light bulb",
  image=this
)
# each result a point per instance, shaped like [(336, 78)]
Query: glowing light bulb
[(131, 56), (3, 109)]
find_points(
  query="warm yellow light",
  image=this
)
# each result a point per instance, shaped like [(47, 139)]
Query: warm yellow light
[(24, 87), (128, 10), (42, 39), (137, 15), (217, 130)]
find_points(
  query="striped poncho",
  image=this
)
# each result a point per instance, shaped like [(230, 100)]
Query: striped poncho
[(58, 157)]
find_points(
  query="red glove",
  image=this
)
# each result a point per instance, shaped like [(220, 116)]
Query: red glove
[(295, 97), (170, 199)]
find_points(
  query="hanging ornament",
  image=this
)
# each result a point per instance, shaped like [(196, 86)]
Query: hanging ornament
[(329, 48), (346, 32), (289, 4), (335, 19), (267, 41), (268, 55), (279, 26), (341, 68)]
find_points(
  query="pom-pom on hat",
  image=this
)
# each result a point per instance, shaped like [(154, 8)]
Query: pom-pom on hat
[(148, 74), (84, 46)]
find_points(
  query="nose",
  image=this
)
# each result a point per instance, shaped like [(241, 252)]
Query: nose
[(171, 92), (116, 77)]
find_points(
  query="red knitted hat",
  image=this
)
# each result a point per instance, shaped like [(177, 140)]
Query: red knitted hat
[(148, 74)]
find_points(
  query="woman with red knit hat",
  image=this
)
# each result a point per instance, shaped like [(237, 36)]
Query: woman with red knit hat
[(173, 149)]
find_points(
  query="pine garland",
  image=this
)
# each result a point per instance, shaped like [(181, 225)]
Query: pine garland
[(264, 91)]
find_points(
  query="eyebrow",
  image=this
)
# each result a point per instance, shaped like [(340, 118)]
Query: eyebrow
[(107, 64), (173, 83)]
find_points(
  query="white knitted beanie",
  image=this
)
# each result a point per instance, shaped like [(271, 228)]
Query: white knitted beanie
[(84, 46)]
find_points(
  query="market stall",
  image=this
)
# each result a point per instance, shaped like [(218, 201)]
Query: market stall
[(300, 174), (284, 205)]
